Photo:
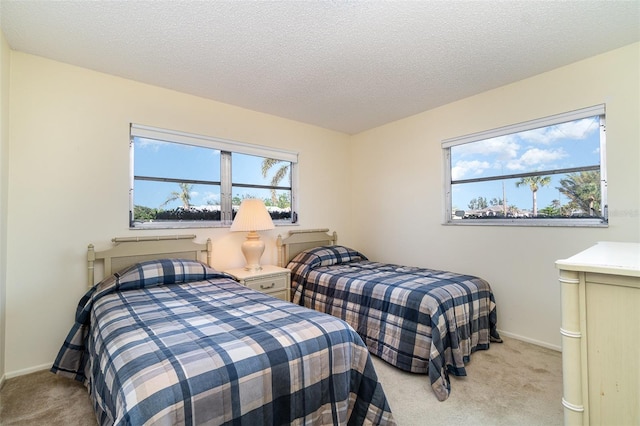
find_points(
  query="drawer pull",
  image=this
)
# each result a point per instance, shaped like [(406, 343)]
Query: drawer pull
[(267, 287)]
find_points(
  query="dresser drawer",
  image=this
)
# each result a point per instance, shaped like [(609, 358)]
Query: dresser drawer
[(268, 284)]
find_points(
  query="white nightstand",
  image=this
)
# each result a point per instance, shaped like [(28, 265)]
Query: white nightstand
[(272, 280)]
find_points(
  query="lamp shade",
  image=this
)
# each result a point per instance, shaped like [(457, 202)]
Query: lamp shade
[(252, 216)]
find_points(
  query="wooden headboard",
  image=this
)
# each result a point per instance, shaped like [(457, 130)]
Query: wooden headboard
[(130, 250), (300, 240)]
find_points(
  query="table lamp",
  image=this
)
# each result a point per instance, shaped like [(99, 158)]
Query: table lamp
[(252, 217)]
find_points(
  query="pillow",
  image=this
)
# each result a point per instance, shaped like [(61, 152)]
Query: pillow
[(328, 255), (306, 260), (147, 274), (163, 271)]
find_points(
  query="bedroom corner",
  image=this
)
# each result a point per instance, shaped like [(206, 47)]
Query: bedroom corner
[(4, 166)]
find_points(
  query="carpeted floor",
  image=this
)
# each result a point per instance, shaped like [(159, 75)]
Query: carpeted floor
[(513, 383), (44, 398)]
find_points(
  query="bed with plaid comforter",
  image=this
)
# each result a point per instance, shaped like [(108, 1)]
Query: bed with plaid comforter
[(417, 319), (173, 342)]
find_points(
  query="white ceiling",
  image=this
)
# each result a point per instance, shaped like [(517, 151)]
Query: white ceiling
[(342, 65)]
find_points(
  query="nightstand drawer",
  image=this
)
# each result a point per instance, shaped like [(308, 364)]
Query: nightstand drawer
[(268, 284), (270, 279), (282, 295)]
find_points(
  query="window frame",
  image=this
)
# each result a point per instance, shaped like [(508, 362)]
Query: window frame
[(226, 148), (447, 144)]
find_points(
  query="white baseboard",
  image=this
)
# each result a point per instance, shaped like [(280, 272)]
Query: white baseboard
[(2, 379), (29, 370), (528, 340)]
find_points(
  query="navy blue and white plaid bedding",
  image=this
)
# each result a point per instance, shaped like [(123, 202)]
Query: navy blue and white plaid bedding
[(173, 342), (417, 319)]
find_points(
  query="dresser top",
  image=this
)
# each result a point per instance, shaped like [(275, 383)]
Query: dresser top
[(606, 257)]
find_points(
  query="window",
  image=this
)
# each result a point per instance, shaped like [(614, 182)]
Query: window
[(545, 172), (181, 180)]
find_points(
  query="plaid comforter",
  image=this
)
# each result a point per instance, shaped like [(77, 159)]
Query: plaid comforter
[(173, 342), (420, 320)]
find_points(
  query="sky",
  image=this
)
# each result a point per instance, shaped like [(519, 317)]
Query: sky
[(158, 159), (572, 144)]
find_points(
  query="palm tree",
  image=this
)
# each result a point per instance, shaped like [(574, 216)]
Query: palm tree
[(534, 183), (267, 164), (583, 189), (184, 195)]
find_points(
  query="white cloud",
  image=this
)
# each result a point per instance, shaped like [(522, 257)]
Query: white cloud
[(151, 144), (576, 130), (516, 152), (536, 157), (464, 168), (506, 146), (211, 196)]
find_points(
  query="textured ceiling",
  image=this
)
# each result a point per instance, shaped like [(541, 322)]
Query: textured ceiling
[(342, 65)]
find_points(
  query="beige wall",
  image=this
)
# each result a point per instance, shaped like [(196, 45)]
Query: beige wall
[(4, 185), (68, 181), (402, 221), (68, 185)]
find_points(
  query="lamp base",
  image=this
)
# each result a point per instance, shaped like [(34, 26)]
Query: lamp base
[(252, 248)]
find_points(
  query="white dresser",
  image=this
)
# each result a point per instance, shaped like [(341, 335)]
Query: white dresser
[(601, 335)]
